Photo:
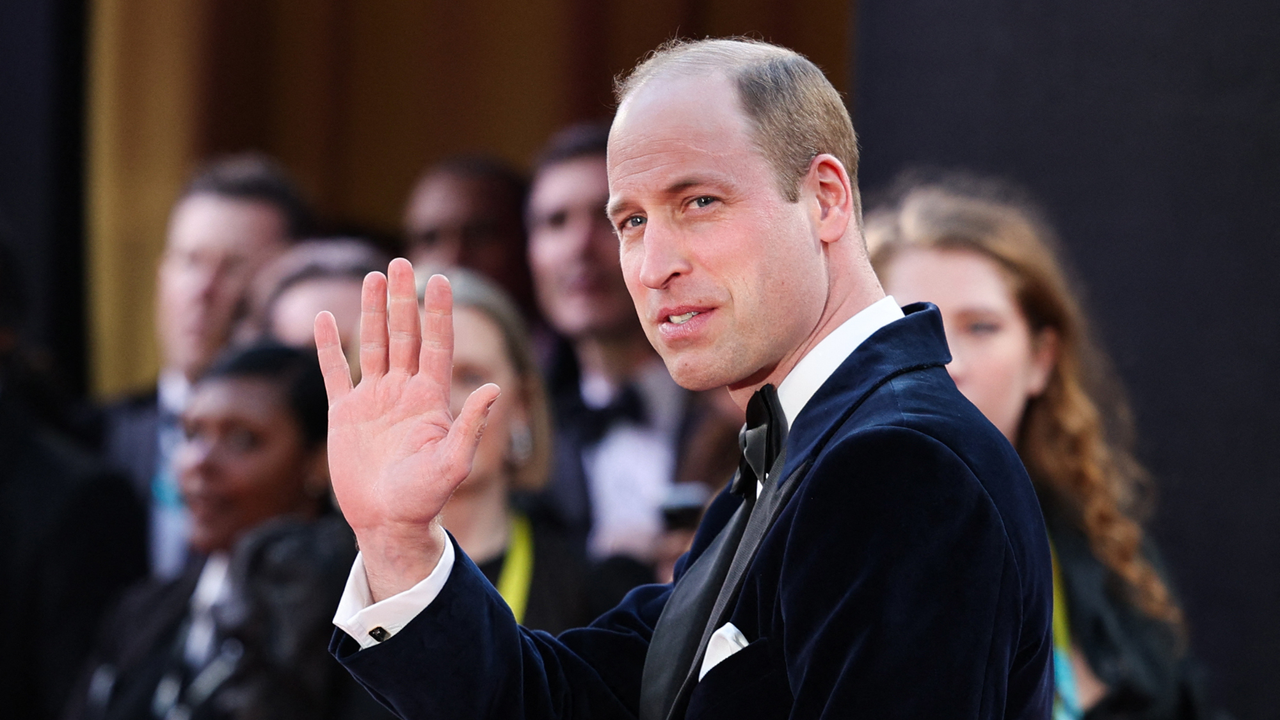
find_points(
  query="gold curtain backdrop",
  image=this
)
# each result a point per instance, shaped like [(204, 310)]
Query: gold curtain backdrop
[(355, 99)]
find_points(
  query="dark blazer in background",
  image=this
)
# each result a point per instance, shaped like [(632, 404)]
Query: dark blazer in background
[(131, 438), (908, 576), (72, 536), (286, 577)]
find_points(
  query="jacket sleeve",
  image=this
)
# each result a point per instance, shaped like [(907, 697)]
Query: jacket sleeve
[(900, 592), (464, 656)]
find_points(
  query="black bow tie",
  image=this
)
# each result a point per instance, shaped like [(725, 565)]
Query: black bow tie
[(761, 440), (593, 423)]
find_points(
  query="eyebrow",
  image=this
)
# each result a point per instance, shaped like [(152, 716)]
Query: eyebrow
[(615, 205)]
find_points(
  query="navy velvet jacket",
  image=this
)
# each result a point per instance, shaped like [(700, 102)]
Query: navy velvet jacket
[(907, 577)]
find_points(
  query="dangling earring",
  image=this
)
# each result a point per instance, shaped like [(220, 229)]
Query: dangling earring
[(521, 444)]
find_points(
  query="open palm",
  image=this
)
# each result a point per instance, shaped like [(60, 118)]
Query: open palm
[(396, 454)]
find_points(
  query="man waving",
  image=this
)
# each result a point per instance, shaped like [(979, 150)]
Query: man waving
[(880, 552)]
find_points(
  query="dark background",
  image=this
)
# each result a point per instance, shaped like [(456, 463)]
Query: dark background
[(1151, 130), (41, 166)]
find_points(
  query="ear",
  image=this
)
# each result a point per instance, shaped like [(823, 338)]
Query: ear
[(1044, 358), (832, 196)]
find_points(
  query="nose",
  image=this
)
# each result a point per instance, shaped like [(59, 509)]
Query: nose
[(664, 256), (205, 282), (191, 463), (581, 235)]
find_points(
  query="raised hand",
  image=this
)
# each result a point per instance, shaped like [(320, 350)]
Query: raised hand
[(395, 452)]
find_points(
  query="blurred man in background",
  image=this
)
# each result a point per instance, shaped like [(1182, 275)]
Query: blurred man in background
[(233, 217), (467, 211), (619, 415)]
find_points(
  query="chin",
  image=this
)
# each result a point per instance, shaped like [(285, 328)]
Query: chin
[(208, 544), (694, 373)]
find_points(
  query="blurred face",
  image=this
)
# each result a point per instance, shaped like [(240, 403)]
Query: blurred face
[(479, 357), (243, 461), (573, 252), (293, 315), (996, 361), (728, 277), (454, 220), (214, 247)]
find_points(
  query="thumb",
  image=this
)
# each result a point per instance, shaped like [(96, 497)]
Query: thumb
[(464, 436)]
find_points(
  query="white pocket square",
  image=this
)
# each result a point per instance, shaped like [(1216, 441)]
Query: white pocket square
[(724, 642)]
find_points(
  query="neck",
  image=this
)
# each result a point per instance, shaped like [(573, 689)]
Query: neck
[(852, 291), (479, 518), (614, 358)]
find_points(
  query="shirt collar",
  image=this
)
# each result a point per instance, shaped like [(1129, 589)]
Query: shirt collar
[(172, 391), (814, 368)]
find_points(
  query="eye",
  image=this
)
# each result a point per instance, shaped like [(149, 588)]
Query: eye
[(983, 328), (634, 221), (471, 378), (242, 440), (703, 201), (555, 220)]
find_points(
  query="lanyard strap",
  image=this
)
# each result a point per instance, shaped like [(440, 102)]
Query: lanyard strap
[(1066, 705), (517, 568)]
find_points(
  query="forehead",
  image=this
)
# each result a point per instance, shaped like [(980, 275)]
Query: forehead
[(571, 180), (445, 194), (477, 337), (213, 222), (675, 125), (246, 398), (954, 280)]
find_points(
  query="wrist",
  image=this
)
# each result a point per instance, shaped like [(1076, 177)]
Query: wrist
[(396, 560)]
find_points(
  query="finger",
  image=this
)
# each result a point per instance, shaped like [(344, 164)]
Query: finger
[(464, 436), (402, 318), (373, 325), (333, 362), (436, 358)]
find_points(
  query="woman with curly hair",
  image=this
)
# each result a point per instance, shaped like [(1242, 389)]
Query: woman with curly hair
[(1022, 354)]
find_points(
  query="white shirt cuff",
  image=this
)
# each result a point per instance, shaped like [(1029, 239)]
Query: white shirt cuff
[(369, 622)]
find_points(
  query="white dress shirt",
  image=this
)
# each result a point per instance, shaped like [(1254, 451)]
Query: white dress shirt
[(630, 470), (357, 615)]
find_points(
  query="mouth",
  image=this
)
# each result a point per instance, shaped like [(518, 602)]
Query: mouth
[(683, 324)]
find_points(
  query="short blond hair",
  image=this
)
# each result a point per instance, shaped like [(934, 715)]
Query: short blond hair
[(795, 112)]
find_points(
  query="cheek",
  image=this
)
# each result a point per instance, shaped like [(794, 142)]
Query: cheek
[(994, 380), (543, 255), (267, 485)]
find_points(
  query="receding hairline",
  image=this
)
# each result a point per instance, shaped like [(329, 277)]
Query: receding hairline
[(793, 111), (698, 58)]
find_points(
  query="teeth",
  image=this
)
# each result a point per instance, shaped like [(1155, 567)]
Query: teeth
[(681, 319)]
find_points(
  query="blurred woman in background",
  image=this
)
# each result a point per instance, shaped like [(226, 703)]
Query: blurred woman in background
[(1022, 353), (243, 632)]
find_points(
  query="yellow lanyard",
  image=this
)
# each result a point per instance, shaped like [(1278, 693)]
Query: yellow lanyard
[(517, 568), (1066, 704), (1061, 625)]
